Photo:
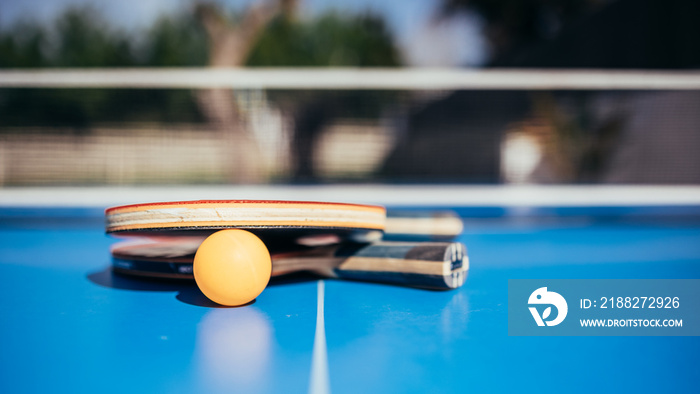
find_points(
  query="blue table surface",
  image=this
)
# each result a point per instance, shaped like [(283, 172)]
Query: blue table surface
[(70, 325)]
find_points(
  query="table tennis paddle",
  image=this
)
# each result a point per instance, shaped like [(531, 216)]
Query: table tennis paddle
[(348, 232), (422, 225), (438, 265), (310, 223), (272, 221)]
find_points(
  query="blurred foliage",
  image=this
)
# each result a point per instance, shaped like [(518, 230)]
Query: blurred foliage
[(330, 40), (175, 42), (83, 41), (23, 46), (512, 24), (83, 38)]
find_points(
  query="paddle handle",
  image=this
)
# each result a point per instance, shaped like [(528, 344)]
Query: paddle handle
[(436, 265)]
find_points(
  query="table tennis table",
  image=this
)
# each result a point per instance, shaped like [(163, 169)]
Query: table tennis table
[(71, 325)]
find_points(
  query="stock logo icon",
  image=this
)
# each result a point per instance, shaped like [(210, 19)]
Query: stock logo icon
[(543, 297)]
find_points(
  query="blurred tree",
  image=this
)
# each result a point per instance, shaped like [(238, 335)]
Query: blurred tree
[(22, 46), (330, 40), (230, 41), (588, 33), (81, 37), (84, 39), (175, 41), (270, 34), (513, 25), (266, 34), (603, 34)]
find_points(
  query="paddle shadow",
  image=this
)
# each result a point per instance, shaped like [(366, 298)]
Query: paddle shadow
[(187, 290), (108, 278)]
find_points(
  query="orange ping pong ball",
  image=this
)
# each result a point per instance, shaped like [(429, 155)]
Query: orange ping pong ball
[(232, 267)]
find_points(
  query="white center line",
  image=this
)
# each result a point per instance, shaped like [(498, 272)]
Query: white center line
[(319, 382)]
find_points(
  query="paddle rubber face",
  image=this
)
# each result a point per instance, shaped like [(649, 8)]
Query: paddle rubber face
[(273, 221)]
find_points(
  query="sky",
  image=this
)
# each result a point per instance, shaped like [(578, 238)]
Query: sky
[(424, 42)]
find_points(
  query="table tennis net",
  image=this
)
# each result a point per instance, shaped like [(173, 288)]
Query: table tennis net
[(200, 126)]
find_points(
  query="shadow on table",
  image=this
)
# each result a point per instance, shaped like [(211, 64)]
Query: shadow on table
[(107, 278), (187, 290)]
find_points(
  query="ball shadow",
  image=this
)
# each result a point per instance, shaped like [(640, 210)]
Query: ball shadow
[(194, 296)]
